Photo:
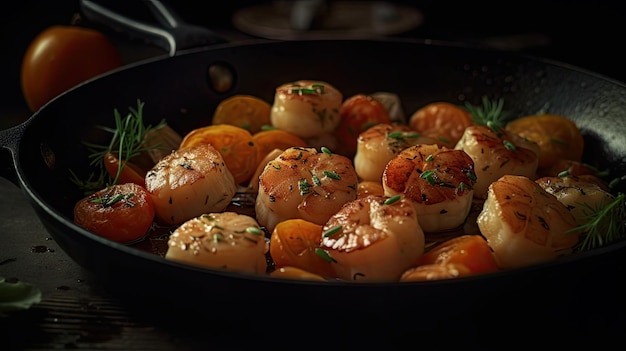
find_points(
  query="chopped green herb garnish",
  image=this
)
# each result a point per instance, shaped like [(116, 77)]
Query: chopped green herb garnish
[(108, 201), (564, 174), (429, 176), (509, 145), (304, 187), (332, 231), (254, 230), (333, 175), (393, 199), (324, 255)]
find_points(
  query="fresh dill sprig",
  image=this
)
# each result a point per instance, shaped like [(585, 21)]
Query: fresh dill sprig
[(604, 224), (90, 185), (491, 114), (127, 141)]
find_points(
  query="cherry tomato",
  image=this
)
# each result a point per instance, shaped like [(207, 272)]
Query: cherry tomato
[(471, 251), (61, 57), (558, 137), (244, 111), (129, 173), (295, 273), (435, 271), (123, 213), (442, 121), (268, 140), (358, 113), (234, 143), (293, 244)]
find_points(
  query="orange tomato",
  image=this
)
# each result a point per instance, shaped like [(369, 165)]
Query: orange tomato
[(129, 174), (244, 111), (471, 251), (234, 144), (358, 113), (558, 137), (294, 273), (268, 140), (293, 243), (61, 57), (123, 213), (435, 271), (575, 168), (442, 121)]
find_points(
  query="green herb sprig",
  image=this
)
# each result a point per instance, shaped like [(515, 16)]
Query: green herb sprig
[(490, 114), (127, 142), (604, 224)]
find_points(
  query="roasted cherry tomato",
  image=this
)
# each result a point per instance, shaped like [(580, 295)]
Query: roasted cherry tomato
[(471, 251), (435, 271), (443, 121), (270, 139), (244, 111), (558, 137), (61, 57), (234, 144), (123, 213), (358, 113), (128, 173), (293, 244)]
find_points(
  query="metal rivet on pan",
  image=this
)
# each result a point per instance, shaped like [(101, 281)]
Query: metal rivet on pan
[(221, 78)]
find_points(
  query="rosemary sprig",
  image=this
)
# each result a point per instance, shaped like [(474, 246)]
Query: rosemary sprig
[(603, 224), (490, 114), (127, 141)]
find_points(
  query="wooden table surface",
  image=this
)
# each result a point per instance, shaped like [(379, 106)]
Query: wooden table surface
[(74, 312)]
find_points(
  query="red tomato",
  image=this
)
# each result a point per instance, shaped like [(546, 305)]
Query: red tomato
[(358, 113), (443, 121), (61, 57), (129, 173), (122, 213)]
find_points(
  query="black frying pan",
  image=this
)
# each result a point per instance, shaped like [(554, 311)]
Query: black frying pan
[(40, 152)]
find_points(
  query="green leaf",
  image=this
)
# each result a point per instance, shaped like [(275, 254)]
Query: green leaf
[(17, 296)]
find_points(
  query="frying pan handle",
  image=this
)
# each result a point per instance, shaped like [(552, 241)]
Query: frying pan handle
[(9, 140), (169, 31)]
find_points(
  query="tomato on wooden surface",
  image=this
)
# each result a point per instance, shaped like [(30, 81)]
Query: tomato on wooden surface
[(123, 213), (293, 243), (234, 144), (61, 57), (471, 251), (358, 113), (558, 137), (244, 111), (442, 121)]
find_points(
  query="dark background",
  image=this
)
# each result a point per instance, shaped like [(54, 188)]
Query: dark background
[(587, 34)]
